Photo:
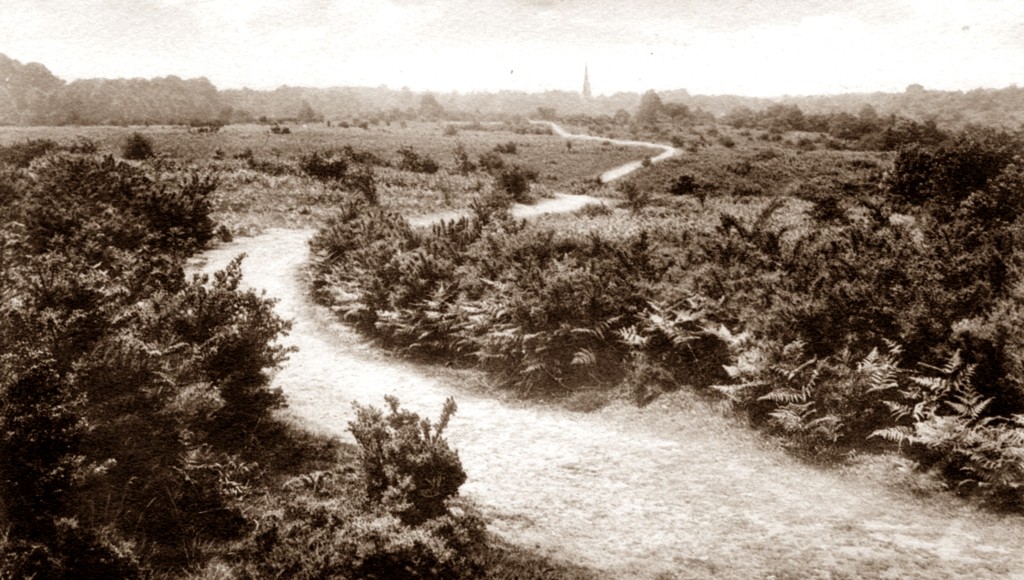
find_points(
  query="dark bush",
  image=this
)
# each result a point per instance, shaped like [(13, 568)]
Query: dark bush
[(463, 164), (515, 182), (509, 148), (22, 154), (137, 147), (408, 467), (491, 162), (324, 168), (683, 185), (416, 162)]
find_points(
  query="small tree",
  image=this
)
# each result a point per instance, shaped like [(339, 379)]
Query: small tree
[(463, 164), (515, 181), (137, 147), (650, 108), (636, 198)]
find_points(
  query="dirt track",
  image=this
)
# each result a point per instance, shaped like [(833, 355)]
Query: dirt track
[(669, 490)]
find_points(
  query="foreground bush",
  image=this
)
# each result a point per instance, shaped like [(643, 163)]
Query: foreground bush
[(119, 377), (408, 467)]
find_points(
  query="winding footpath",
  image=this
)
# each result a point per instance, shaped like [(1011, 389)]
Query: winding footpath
[(670, 491)]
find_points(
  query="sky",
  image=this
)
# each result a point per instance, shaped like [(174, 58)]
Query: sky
[(744, 47)]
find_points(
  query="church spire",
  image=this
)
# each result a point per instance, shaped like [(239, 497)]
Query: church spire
[(586, 82)]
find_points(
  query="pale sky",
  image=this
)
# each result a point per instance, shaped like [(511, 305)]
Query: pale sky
[(746, 47)]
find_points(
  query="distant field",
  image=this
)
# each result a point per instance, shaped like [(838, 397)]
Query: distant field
[(273, 191)]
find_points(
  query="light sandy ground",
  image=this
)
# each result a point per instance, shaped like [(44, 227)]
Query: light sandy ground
[(560, 203), (669, 491)]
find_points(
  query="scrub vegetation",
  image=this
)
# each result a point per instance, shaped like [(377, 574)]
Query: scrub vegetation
[(140, 432), (847, 285)]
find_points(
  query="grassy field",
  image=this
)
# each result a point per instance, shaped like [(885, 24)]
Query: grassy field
[(261, 184)]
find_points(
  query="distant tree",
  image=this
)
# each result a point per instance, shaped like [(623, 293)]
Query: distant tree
[(547, 113), (429, 107), (307, 114), (679, 112), (621, 117), (650, 108)]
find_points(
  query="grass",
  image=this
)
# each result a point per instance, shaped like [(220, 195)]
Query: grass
[(272, 192)]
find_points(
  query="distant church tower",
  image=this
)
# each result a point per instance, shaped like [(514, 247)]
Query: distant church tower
[(586, 82)]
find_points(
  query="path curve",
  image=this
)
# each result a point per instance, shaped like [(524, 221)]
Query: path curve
[(631, 492), (614, 173)]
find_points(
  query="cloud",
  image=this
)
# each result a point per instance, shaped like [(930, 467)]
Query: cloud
[(748, 46)]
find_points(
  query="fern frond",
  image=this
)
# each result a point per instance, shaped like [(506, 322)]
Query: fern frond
[(785, 396), (898, 435), (584, 357)]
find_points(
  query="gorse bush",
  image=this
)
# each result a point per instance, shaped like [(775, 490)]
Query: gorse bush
[(21, 154), (119, 377), (411, 160), (515, 182), (408, 467), (508, 148), (324, 168)]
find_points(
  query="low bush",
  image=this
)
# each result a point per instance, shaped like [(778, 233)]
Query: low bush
[(21, 154), (120, 378), (137, 147), (324, 168), (508, 148), (515, 182), (408, 467), (416, 162)]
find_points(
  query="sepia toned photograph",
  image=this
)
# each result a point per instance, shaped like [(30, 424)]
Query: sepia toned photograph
[(511, 289)]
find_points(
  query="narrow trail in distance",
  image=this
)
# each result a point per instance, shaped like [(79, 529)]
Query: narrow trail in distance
[(679, 493)]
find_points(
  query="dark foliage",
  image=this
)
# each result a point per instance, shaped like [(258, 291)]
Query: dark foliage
[(323, 167), (408, 467), (119, 377), (137, 147), (515, 182), (416, 162)]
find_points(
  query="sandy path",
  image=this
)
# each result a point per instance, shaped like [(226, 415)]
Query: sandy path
[(622, 170), (635, 492), (654, 492)]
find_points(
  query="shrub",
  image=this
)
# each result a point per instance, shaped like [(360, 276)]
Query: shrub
[(491, 162), (515, 182), (683, 185), (364, 181), (40, 438), (324, 168), (22, 154), (828, 209), (416, 162), (509, 148), (408, 467), (463, 164), (637, 198), (137, 147)]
